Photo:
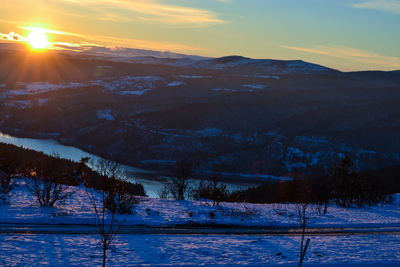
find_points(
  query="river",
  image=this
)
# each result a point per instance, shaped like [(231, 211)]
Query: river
[(152, 181)]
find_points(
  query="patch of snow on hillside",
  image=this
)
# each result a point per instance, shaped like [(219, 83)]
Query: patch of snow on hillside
[(106, 67), (105, 114), (19, 104), (318, 140), (193, 76), (97, 82), (133, 83), (362, 152), (255, 86), (175, 84), (264, 76), (43, 101), (209, 132), (224, 90), (300, 66), (295, 158), (48, 86), (139, 92), (42, 87)]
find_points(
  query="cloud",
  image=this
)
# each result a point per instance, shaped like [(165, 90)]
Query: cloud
[(390, 6), (44, 30), (118, 52), (12, 36), (147, 10), (106, 42), (142, 44), (352, 54)]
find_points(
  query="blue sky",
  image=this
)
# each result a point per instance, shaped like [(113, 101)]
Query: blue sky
[(343, 34)]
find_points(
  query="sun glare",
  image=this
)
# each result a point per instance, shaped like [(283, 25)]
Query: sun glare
[(38, 40)]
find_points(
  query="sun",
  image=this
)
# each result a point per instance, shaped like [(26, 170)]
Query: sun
[(38, 40)]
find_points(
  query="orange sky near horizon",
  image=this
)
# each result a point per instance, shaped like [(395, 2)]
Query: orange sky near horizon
[(342, 34)]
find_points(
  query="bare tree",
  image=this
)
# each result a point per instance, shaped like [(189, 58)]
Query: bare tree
[(46, 181), (320, 186), (177, 187), (350, 189), (301, 211), (107, 230), (106, 205), (212, 190)]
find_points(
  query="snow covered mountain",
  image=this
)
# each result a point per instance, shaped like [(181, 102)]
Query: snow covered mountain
[(232, 63)]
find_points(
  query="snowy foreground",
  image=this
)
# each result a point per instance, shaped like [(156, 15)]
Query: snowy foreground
[(379, 248), (192, 250), (23, 208)]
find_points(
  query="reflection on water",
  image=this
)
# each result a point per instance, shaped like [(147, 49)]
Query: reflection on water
[(52, 147), (47, 146)]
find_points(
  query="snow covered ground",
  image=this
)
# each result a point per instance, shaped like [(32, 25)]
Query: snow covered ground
[(191, 249), (41, 87), (158, 212), (195, 250)]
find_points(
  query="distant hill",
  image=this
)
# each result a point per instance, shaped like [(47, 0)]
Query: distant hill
[(233, 115)]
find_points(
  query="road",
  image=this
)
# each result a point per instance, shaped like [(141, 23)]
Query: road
[(188, 230)]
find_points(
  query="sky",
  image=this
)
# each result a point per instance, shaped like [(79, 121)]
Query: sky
[(348, 35)]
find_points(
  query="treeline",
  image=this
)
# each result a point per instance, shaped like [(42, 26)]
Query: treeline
[(16, 161), (344, 186)]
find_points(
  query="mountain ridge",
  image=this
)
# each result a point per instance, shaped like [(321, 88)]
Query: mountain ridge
[(146, 56)]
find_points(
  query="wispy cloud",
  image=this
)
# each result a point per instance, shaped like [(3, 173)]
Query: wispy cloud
[(108, 42), (44, 30), (15, 37), (147, 10), (12, 36), (390, 6), (352, 54), (119, 42)]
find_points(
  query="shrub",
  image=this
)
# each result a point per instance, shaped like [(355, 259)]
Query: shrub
[(5, 187), (118, 199), (320, 192), (9, 164), (349, 189), (118, 196), (46, 181), (212, 191), (177, 186)]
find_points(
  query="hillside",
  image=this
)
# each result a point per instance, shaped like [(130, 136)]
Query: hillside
[(234, 115)]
